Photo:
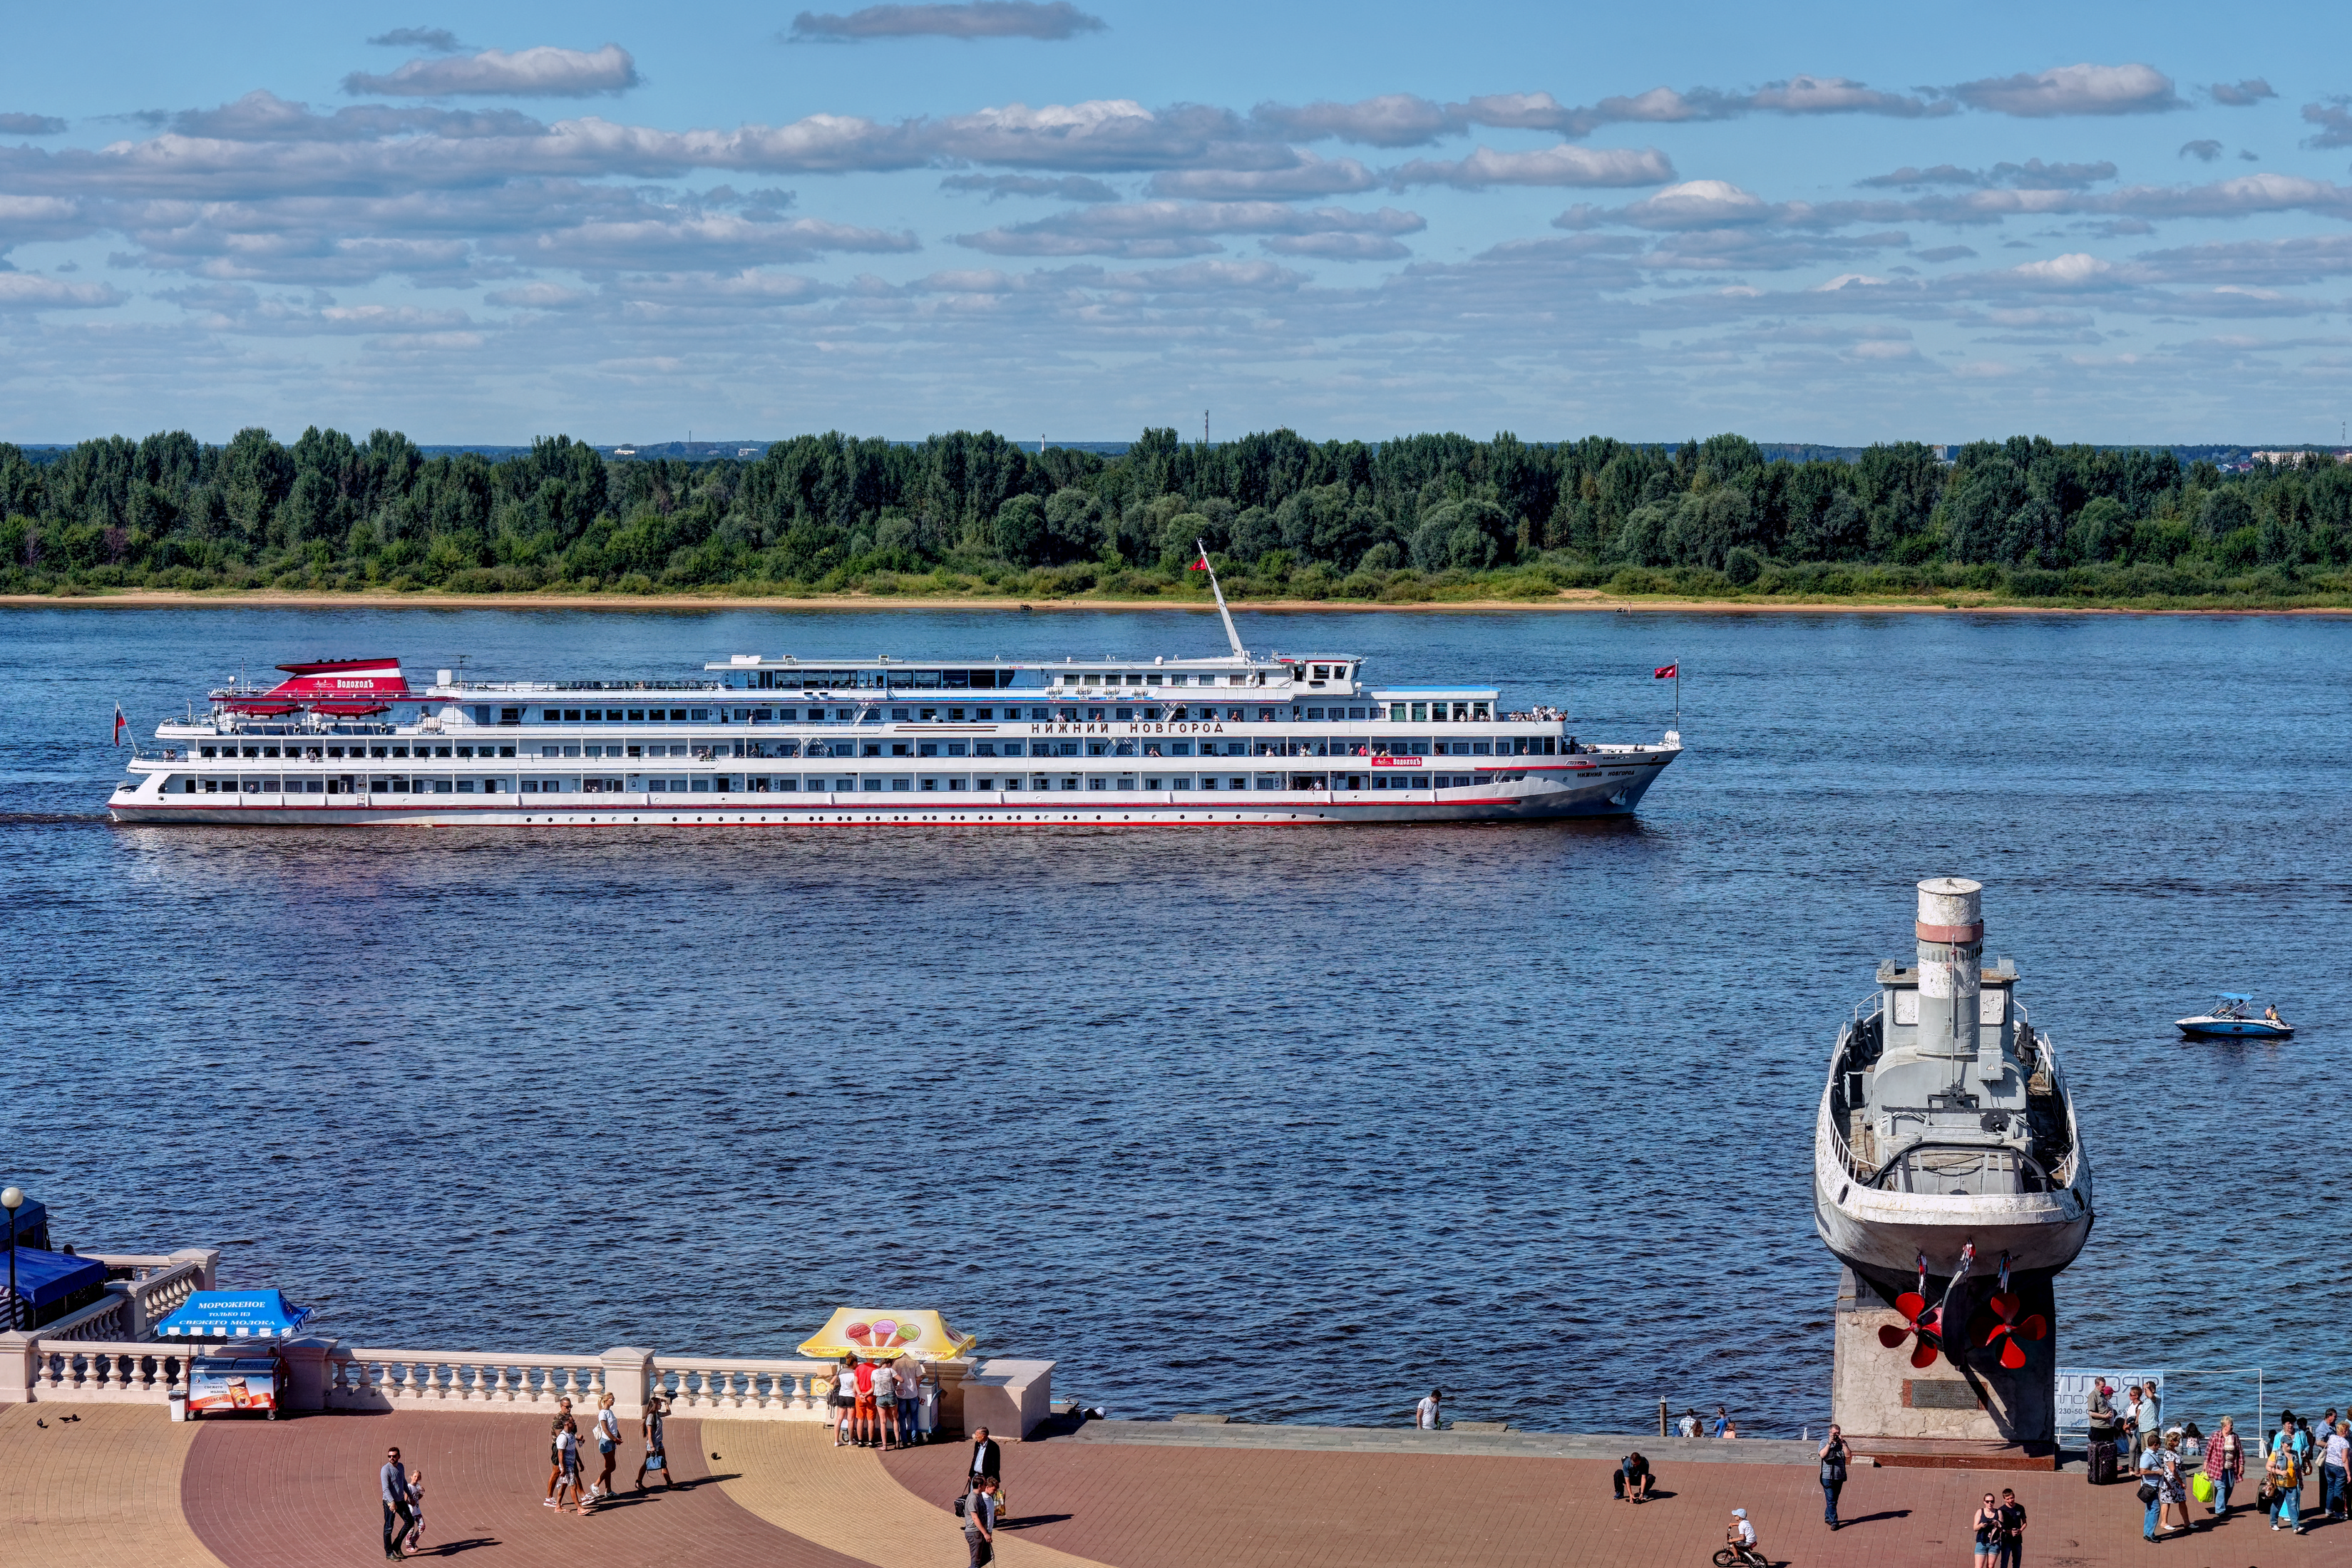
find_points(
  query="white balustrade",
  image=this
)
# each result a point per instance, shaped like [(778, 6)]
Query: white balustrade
[(722, 1386), (106, 1372), (358, 1378), (106, 1319)]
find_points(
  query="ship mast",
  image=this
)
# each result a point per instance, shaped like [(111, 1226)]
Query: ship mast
[(1231, 635)]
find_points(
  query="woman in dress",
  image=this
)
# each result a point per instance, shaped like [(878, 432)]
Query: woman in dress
[(2173, 1484), (656, 1458)]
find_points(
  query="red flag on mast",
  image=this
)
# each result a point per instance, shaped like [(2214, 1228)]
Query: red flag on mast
[(121, 724), (1665, 672), (1200, 565)]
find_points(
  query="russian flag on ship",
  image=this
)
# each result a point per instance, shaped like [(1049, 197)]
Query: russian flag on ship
[(121, 724)]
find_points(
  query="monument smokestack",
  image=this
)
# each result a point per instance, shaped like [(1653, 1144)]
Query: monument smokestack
[(1950, 928)]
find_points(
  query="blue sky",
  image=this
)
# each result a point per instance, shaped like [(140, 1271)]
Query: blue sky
[(1815, 221)]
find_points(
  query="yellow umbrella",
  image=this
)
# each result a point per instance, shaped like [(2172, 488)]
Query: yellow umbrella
[(858, 1331)]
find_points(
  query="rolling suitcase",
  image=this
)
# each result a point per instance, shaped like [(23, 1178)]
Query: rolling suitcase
[(2103, 1462)]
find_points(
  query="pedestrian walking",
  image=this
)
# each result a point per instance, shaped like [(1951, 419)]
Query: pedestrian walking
[(2151, 1490), (392, 1482), (987, 1464), (2335, 1468), (2173, 1481), (567, 1465), (608, 1446), (554, 1455), (2225, 1464), (980, 1522), (1987, 1525), (415, 1508), (2013, 1531), (649, 1427), (2285, 1470), (1430, 1414), (1833, 1457), (910, 1397)]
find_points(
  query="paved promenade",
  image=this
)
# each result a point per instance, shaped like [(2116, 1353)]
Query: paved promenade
[(123, 1485)]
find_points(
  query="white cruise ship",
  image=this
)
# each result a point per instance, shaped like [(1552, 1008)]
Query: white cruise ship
[(785, 741)]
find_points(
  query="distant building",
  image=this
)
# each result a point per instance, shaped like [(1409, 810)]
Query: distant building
[(2296, 455)]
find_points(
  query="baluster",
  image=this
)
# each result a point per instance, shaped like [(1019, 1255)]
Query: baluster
[(502, 1388), (800, 1392)]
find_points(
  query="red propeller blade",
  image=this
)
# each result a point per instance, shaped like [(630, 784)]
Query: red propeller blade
[(2012, 1354), (1911, 1303), (2035, 1327), (1890, 1336), (1924, 1356), (2006, 1304)]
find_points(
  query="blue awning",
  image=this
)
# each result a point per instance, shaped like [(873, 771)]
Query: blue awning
[(46, 1277), (32, 1224), (234, 1314)]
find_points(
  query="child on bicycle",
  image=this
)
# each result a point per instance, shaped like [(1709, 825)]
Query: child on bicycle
[(1740, 1535)]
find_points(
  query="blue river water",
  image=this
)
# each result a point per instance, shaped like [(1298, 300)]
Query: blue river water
[(1289, 1125)]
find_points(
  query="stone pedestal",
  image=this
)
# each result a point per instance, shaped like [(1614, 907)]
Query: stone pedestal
[(1008, 1397), (1967, 1396)]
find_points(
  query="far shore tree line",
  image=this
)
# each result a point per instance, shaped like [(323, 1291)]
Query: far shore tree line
[(1417, 518)]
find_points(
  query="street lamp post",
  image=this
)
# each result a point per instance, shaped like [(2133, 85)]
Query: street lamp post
[(12, 1200)]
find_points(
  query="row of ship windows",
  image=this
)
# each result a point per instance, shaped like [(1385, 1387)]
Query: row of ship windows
[(1468, 712), (955, 679), (757, 783), (706, 750)]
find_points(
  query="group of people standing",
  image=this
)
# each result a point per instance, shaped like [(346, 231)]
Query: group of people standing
[(878, 1402), (2176, 1462)]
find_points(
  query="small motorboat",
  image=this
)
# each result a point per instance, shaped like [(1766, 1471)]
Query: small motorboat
[(2233, 1018)]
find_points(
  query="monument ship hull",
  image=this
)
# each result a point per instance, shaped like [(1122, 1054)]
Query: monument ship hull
[(1945, 1131)]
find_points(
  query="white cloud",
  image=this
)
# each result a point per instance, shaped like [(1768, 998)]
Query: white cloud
[(1311, 176), (1698, 203), (432, 40), (32, 291), (1561, 165), (1060, 188), (981, 19), (1156, 229), (2073, 89), (1337, 246), (2241, 94), (2076, 269), (1392, 119), (545, 71)]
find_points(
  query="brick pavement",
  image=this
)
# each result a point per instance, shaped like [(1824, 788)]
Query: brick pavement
[(124, 1485), (97, 1492), (844, 1498), (302, 1494), (1156, 1507)]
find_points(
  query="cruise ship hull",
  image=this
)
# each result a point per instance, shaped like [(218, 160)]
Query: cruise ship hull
[(1624, 780)]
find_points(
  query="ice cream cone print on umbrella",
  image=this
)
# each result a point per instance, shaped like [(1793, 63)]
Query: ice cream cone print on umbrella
[(857, 1331)]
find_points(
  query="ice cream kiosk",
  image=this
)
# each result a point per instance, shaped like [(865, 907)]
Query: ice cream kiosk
[(243, 1380)]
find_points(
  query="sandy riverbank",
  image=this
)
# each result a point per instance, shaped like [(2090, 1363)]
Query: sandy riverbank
[(1585, 600)]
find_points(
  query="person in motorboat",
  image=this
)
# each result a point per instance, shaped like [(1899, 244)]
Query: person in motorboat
[(2270, 1014)]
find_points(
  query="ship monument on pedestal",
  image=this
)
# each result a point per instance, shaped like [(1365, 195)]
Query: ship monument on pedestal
[(1950, 1179)]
